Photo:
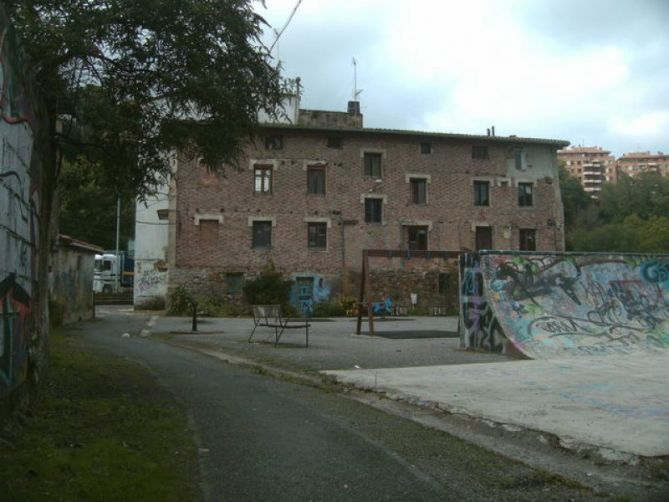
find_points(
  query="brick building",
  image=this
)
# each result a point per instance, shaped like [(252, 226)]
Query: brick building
[(311, 197), (634, 163), (591, 165)]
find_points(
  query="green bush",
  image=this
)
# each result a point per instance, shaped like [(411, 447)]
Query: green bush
[(180, 301), (269, 288), (329, 310)]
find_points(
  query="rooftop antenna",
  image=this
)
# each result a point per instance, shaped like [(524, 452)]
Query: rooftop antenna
[(356, 92)]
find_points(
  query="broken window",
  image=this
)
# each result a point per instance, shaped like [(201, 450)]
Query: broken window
[(317, 235), (426, 148), (481, 193), (417, 238), (372, 164), (274, 142)]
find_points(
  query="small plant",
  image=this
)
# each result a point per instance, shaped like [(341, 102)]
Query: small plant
[(180, 301), (269, 288), (329, 310)]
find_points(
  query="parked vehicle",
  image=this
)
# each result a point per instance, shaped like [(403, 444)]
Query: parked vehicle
[(113, 277)]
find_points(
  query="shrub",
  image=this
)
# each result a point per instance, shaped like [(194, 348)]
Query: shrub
[(180, 301), (269, 288), (329, 310)]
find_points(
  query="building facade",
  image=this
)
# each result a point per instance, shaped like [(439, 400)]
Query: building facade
[(635, 163), (310, 197), (592, 166)]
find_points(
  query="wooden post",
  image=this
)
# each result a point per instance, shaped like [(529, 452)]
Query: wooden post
[(361, 297)]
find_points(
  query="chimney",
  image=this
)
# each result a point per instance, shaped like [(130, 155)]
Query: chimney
[(493, 130), (488, 131)]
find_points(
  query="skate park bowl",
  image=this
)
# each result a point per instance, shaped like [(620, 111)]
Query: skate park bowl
[(555, 305)]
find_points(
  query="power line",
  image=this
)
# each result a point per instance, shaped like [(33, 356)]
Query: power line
[(290, 18)]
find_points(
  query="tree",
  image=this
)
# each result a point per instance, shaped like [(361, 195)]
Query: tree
[(574, 198), (132, 80)]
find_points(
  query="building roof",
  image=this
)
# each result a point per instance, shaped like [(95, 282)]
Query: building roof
[(583, 149), (423, 134), (643, 155), (66, 240)]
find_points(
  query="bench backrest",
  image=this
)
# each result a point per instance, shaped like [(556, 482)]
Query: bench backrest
[(267, 313)]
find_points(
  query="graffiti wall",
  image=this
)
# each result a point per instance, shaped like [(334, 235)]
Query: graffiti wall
[(308, 290), (552, 305), (479, 328), (19, 212)]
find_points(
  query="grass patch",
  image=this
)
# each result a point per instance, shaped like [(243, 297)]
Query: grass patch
[(103, 429)]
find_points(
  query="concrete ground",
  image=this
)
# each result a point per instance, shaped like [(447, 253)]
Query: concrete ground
[(618, 405)]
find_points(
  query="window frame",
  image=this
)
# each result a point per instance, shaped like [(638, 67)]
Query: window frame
[(480, 152), (267, 225), (414, 194), (425, 148), (476, 193), (369, 213), (368, 167), (525, 236), (417, 230), (525, 199), (489, 230), (274, 142), (311, 170), (319, 239), (270, 180)]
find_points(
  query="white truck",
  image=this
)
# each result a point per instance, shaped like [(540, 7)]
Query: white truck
[(113, 277)]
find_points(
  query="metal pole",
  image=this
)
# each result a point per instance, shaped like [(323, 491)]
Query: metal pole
[(118, 229)]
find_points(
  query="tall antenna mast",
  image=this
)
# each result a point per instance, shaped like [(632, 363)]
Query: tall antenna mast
[(356, 92)]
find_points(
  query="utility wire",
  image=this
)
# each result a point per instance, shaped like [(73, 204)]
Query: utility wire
[(290, 18)]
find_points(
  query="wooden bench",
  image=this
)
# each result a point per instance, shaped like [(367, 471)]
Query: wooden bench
[(269, 316)]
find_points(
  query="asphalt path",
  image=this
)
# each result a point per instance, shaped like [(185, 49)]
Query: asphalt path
[(260, 438)]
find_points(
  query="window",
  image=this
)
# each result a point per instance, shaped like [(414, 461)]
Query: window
[(481, 193), (234, 282), (418, 190), (372, 164), (316, 180), (263, 179), (334, 142), (528, 239), (426, 148), (317, 235), (518, 154), (479, 152), (262, 234), (483, 238), (373, 210), (274, 142), (417, 238), (525, 194)]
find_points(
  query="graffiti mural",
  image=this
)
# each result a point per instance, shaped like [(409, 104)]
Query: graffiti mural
[(565, 304), (19, 209), (479, 328), (307, 291)]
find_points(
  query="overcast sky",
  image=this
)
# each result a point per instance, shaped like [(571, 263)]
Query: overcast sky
[(593, 72)]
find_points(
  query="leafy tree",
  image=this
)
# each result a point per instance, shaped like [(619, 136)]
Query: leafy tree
[(574, 198), (646, 195), (88, 208), (269, 288)]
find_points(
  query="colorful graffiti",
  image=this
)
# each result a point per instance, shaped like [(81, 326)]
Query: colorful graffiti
[(307, 291), (479, 328), (565, 304), (19, 209)]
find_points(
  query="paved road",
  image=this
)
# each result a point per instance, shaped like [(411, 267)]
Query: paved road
[(267, 439)]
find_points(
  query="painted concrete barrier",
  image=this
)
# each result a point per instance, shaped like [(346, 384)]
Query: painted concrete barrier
[(564, 304)]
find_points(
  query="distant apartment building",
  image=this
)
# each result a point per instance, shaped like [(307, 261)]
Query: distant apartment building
[(592, 166), (635, 163)]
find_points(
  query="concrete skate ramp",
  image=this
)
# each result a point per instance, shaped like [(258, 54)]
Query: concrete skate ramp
[(564, 304)]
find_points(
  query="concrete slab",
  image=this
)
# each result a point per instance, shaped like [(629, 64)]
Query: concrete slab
[(617, 403)]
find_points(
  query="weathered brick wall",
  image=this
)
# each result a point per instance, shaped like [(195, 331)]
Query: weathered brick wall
[(228, 199)]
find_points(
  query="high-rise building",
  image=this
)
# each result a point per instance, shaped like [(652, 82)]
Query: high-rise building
[(634, 163), (591, 165)]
